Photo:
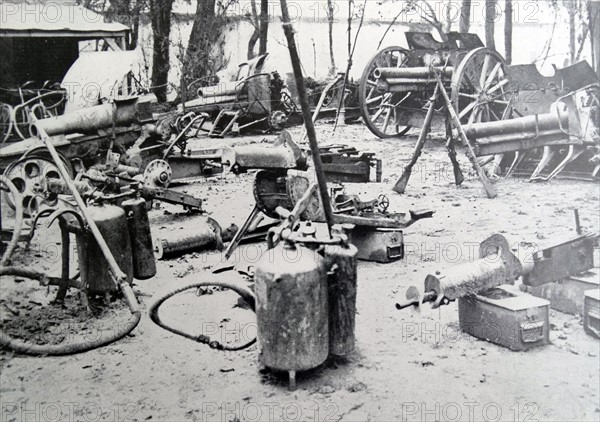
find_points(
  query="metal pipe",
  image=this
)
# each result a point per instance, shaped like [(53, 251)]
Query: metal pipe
[(310, 128), (407, 72), (577, 222), (520, 125), (406, 81), (89, 119)]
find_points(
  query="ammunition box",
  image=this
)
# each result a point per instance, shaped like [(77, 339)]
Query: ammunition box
[(567, 295), (591, 313), (507, 317), (378, 244)]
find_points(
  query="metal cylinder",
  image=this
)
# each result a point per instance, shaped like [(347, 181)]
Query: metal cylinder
[(496, 265), (520, 125), (91, 118), (207, 236), (95, 273), (410, 72), (341, 261), (142, 253), (292, 308)]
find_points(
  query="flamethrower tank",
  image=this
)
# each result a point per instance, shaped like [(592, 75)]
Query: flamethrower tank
[(144, 264), (292, 309), (112, 224)]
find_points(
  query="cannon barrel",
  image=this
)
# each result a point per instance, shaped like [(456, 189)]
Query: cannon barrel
[(411, 72), (520, 125), (519, 134), (119, 113)]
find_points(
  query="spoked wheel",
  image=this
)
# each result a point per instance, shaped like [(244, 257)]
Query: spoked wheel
[(6, 123), (29, 175), (479, 87), (378, 108)]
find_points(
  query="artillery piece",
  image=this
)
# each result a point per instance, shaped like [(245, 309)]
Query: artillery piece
[(252, 99), (532, 124), (397, 83)]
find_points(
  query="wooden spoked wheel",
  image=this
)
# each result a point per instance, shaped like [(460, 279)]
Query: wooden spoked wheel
[(378, 108), (480, 88)]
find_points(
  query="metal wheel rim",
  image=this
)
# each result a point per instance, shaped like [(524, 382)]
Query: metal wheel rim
[(28, 175)]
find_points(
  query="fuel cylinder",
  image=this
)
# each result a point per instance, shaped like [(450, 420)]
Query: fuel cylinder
[(292, 308), (342, 277), (95, 274), (142, 253)]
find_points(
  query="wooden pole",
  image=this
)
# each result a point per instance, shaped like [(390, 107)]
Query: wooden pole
[(487, 185), (310, 127), (400, 186)]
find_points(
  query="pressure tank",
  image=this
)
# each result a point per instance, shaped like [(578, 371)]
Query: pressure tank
[(144, 264), (292, 309), (341, 260), (95, 274)]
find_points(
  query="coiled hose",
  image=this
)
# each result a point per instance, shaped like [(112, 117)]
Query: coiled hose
[(61, 349), (51, 349), (18, 220), (159, 298)]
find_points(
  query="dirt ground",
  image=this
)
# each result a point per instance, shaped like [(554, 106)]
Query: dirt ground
[(407, 365)]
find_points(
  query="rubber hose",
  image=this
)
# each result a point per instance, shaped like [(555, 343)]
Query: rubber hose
[(60, 349), (18, 220), (161, 297)]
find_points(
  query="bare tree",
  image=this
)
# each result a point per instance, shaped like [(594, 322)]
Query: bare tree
[(427, 13), (465, 16), (490, 19), (126, 12), (261, 28), (160, 16), (572, 11), (594, 25), (264, 26), (330, 18), (256, 33), (508, 29)]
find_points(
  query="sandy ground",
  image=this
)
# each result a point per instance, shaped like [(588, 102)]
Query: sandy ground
[(407, 365)]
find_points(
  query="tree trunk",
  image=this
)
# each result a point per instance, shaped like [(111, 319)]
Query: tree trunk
[(508, 28), (135, 24), (126, 12), (594, 24), (330, 17), (119, 11), (160, 15), (197, 56), (261, 28), (490, 18), (264, 26), (571, 7), (465, 16), (256, 33)]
